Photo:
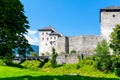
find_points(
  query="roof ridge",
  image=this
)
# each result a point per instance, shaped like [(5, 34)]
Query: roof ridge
[(112, 7)]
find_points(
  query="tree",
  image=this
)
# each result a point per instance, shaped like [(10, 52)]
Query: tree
[(33, 54), (72, 51), (13, 26), (115, 40), (53, 59), (102, 48), (115, 46), (102, 56)]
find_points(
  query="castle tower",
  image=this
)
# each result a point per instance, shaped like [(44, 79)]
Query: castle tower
[(109, 18), (47, 39)]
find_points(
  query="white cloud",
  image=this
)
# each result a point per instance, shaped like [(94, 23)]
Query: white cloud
[(32, 32), (32, 37)]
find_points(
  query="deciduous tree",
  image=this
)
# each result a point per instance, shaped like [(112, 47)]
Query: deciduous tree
[(115, 40), (13, 26)]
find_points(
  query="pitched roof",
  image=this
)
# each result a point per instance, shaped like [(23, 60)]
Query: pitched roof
[(112, 7), (55, 33), (48, 28)]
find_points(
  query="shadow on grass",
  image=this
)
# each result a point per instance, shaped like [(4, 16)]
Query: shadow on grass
[(64, 77)]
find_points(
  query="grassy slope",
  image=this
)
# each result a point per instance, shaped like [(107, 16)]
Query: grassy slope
[(12, 73)]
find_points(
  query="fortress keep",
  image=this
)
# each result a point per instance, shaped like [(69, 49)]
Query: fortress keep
[(49, 37)]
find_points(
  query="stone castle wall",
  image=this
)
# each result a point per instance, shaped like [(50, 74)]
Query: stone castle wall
[(81, 44), (62, 45), (67, 59)]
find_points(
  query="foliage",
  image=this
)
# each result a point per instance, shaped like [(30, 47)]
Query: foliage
[(116, 64), (115, 40), (115, 46), (88, 61), (78, 56), (47, 65), (115, 61), (13, 26), (5, 62), (117, 71), (71, 66), (42, 54), (53, 59), (68, 70), (72, 51), (102, 56), (31, 64), (33, 54), (47, 53), (2, 62)]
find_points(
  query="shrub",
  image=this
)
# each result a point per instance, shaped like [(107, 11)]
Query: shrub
[(117, 72), (54, 56), (2, 62), (71, 66), (33, 54), (31, 64), (47, 65), (72, 51), (78, 56), (116, 64), (102, 56)]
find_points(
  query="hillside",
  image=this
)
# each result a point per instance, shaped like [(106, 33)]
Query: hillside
[(35, 48)]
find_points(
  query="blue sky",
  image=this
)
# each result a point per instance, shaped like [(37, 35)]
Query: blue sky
[(70, 17)]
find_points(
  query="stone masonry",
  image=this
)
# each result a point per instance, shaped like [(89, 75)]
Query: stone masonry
[(83, 44)]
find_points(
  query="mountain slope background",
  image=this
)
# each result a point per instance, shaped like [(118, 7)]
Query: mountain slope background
[(35, 48)]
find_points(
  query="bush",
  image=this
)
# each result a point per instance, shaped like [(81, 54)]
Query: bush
[(31, 64), (71, 66), (33, 54), (2, 62), (117, 72), (72, 51), (102, 57), (47, 65), (116, 64), (53, 60)]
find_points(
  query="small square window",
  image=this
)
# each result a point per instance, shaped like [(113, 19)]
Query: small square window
[(50, 37), (113, 15), (47, 38), (42, 33), (42, 38)]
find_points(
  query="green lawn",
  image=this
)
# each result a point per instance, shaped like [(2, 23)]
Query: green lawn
[(65, 72)]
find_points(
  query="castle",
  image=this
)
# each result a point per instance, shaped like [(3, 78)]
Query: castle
[(49, 37)]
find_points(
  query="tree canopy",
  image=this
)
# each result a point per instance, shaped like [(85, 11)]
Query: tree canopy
[(13, 26), (115, 40)]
